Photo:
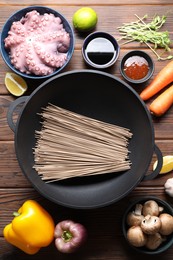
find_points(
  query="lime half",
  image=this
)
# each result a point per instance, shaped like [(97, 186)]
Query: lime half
[(167, 164), (85, 19)]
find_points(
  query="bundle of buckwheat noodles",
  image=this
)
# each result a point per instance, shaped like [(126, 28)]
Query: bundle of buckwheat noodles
[(72, 145)]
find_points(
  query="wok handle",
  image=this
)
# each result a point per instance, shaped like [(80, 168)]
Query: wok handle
[(159, 165), (11, 110)]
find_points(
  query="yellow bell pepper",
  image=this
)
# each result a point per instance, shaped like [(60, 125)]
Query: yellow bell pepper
[(32, 229)]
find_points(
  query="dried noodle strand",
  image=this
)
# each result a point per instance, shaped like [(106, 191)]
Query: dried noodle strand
[(72, 145)]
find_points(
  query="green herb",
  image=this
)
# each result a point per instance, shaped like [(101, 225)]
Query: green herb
[(147, 33)]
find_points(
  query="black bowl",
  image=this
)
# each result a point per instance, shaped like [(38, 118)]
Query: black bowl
[(103, 53), (16, 17), (167, 209), (141, 54)]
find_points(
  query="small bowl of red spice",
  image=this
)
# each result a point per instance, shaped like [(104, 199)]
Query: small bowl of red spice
[(137, 67)]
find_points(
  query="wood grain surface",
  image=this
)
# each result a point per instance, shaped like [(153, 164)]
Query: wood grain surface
[(106, 239)]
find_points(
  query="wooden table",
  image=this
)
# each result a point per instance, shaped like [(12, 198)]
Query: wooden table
[(106, 240)]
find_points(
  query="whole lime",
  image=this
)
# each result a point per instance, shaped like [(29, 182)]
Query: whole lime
[(85, 19)]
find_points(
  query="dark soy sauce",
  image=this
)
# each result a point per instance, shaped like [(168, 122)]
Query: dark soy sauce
[(100, 51)]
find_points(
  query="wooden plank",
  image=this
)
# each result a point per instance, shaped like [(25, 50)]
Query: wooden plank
[(113, 14), (106, 239), (12, 176), (86, 3), (97, 248), (114, 19), (5, 132), (105, 232), (77, 63), (162, 125), (10, 203), (6, 249), (10, 169)]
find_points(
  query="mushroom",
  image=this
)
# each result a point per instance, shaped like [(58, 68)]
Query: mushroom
[(151, 208), (154, 241), (166, 224), (169, 187), (135, 217), (136, 237), (151, 224)]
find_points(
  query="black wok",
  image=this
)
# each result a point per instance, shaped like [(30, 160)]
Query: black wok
[(98, 95)]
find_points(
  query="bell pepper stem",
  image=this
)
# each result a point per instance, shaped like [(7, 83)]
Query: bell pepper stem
[(16, 214), (66, 236)]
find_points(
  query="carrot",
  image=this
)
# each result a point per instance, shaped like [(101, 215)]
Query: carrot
[(162, 103), (162, 79)]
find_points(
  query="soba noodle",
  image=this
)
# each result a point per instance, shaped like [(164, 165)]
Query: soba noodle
[(72, 145)]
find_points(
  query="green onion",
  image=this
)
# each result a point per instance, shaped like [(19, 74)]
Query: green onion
[(147, 33)]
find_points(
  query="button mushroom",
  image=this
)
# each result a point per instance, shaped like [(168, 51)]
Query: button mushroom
[(151, 208), (136, 237), (151, 224), (135, 217), (154, 241), (166, 224)]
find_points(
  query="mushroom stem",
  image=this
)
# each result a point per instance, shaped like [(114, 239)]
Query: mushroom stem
[(138, 209), (135, 217)]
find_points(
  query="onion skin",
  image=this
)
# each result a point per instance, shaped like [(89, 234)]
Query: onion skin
[(69, 236)]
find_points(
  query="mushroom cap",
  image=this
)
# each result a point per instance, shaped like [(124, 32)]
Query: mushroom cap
[(134, 219), (151, 224), (166, 224), (154, 241), (152, 208), (136, 236)]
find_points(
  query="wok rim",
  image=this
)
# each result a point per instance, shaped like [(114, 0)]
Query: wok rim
[(95, 205)]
